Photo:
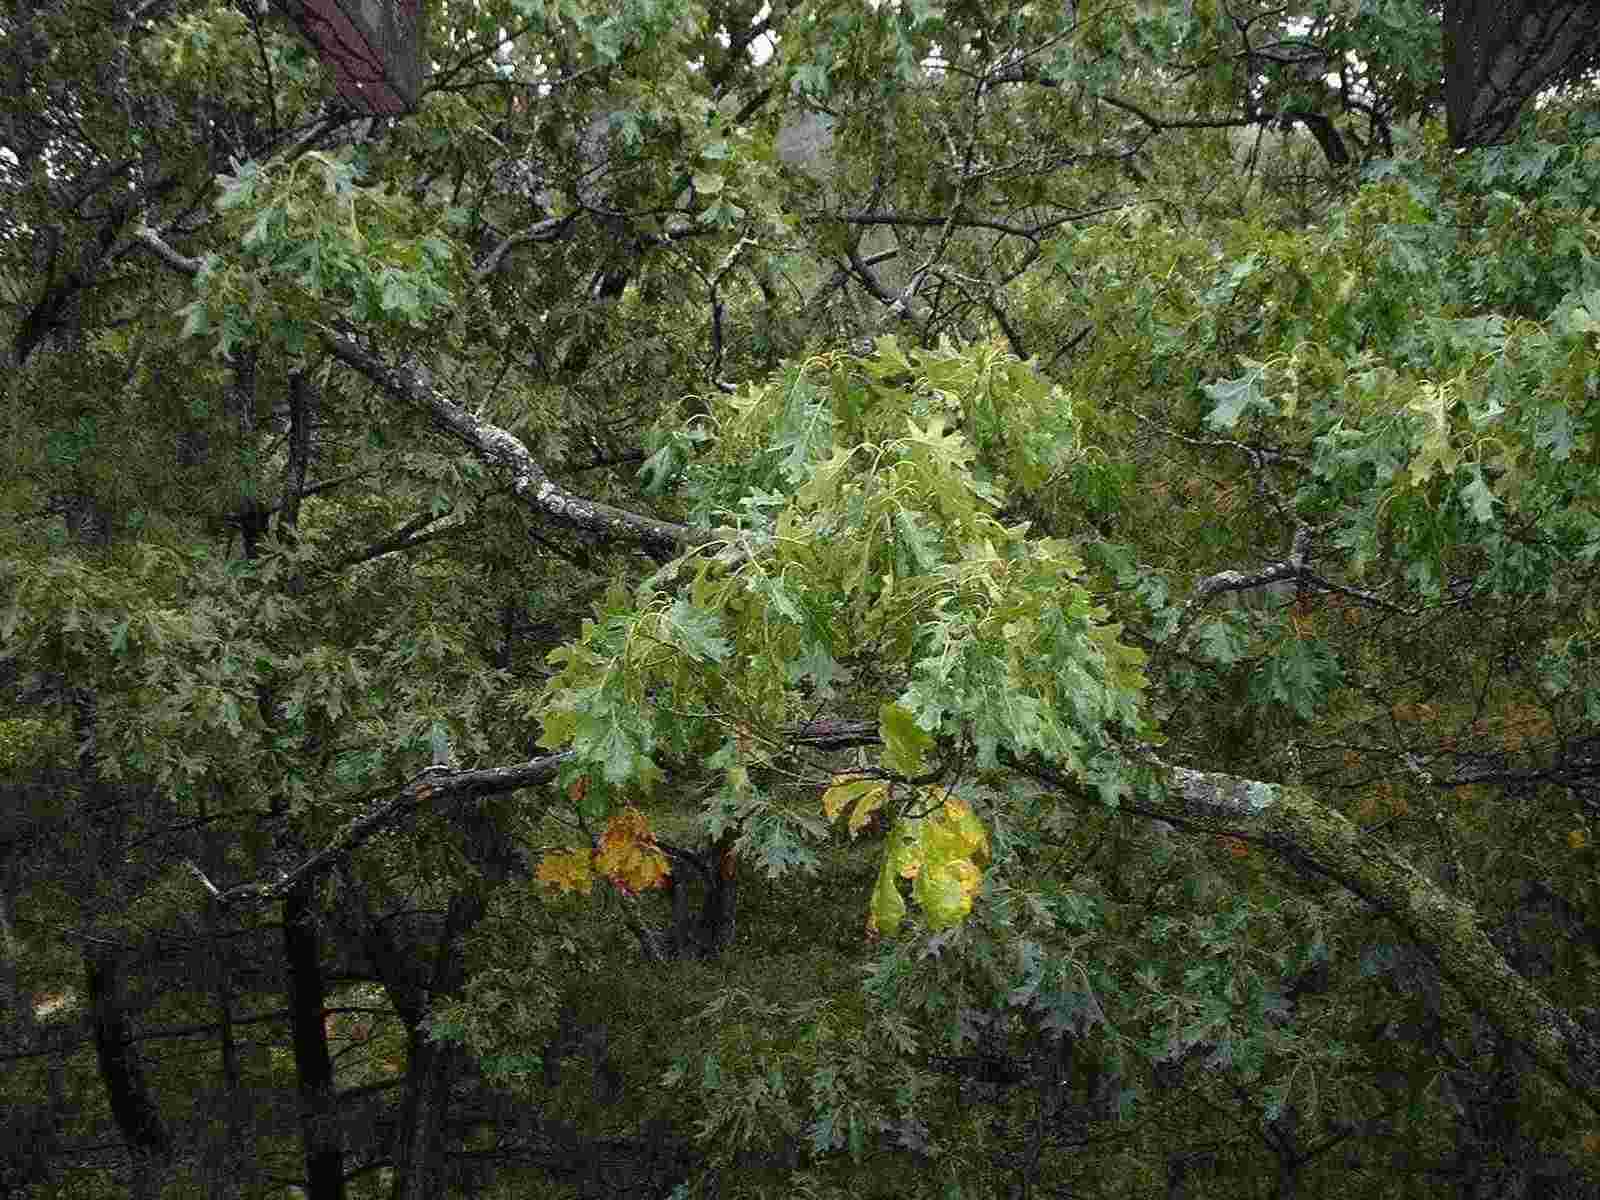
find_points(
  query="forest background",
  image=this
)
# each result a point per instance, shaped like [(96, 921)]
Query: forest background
[(801, 599)]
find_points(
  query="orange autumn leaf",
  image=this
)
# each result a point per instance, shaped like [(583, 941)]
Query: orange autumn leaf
[(628, 853)]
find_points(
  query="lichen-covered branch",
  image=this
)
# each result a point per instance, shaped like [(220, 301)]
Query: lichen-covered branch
[(546, 230), (1289, 823), (529, 482)]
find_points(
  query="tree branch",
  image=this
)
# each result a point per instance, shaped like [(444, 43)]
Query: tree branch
[(439, 785), (1315, 838), (529, 482), (1293, 567), (547, 230), (152, 241), (433, 784)]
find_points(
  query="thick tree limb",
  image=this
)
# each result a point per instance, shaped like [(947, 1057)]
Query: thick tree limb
[(1499, 55), (1321, 128), (494, 445), (1315, 838), (157, 245), (529, 482), (1312, 837), (898, 306)]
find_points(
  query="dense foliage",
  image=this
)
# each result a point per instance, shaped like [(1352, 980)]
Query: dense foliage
[(820, 599)]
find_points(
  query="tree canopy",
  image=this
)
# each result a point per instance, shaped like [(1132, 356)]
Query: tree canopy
[(826, 599)]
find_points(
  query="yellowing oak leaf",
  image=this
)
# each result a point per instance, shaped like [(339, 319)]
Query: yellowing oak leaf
[(905, 745), (903, 855), (628, 854), (954, 832), (940, 854), (945, 892), (869, 803), (887, 909), (566, 871), (1433, 403), (868, 795)]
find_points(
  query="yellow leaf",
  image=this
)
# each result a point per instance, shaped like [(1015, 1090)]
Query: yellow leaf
[(904, 854), (866, 806), (1578, 839), (868, 795), (845, 789), (946, 891), (1432, 403), (940, 854), (954, 832), (566, 871)]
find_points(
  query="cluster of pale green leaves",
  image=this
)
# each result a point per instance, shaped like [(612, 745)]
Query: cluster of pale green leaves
[(312, 235), (868, 548), (1416, 374)]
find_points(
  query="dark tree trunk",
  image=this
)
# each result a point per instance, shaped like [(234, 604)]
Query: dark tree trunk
[(419, 1156), (1498, 56), (227, 1157), (132, 1106), (432, 1067), (720, 911), (706, 931), (1321, 128), (318, 1109)]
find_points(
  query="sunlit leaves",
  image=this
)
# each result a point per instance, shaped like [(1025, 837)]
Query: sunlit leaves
[(372, 253), (1434, 450), (892, 542)]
